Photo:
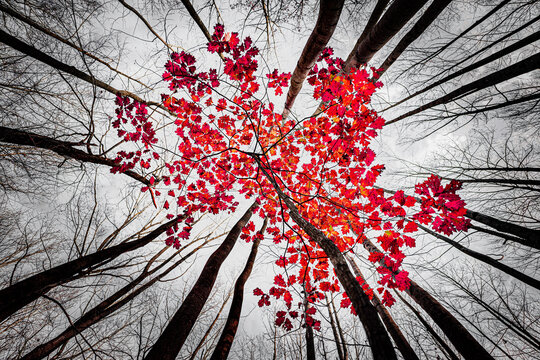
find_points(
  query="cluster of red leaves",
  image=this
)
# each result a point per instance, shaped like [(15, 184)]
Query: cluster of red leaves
[(235, 142), (441, 206), (142, 132)]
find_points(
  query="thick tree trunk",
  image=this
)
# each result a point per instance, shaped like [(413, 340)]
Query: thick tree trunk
[(221, 351), (107, 306), (486, 259), (329, 13), (393, 20), (460, 337), (24, 292), (175, 334), (443, 345), (378, 338), (373, 18), (63, 148), (209, 330), (524, 66), (431, 13), (401, 342)]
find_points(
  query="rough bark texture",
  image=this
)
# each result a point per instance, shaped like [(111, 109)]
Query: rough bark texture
[(393, 20), (173, 337), (431, 13), (329, 13), (486, 259), (524, 66), (378, 338), (401, 342), (26, 138), (24, 292), (221, 351)]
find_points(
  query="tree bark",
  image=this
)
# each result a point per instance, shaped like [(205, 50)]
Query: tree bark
[(431, 13), (524, 66), (393, 20), (175, 334), (460, 337), (41, 56), (373, 18), (430, 330), (106, 307), (24, 292), (310, 341), (329, 13), (221, 351), (497, 55), (401, 342), (378, 339), (532, 236), (486, 259), (63, 148)]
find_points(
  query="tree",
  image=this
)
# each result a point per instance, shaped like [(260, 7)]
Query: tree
[(213, 132)]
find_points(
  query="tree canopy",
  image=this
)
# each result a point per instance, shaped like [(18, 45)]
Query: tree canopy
[(358, 178)]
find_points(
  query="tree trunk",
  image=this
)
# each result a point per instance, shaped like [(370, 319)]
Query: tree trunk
[(497, 55), (41, 56), (337, 339), (329, 13), (431, 13), (378, 339), (510, 72), (532, 236), (310, 341), (175, 334), (340, 331), (486, 259), (52, 34), (393, 20), (108, 306), (221, 351), (205, 336), (443, 345), (460, 337), (24, 292), (400, 340), (63, 148), (373, 18)]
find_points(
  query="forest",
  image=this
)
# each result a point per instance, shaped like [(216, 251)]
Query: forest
[(266, 179)]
